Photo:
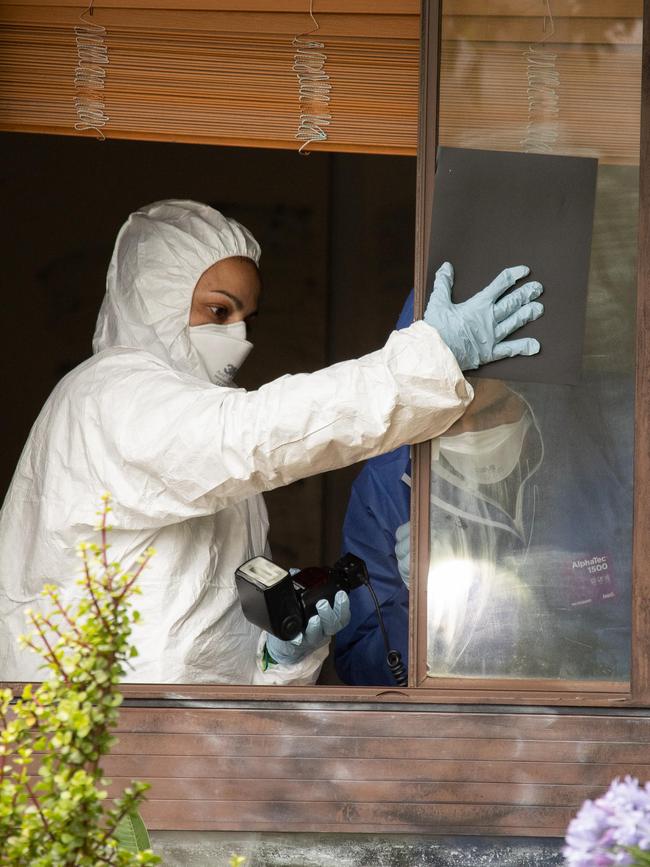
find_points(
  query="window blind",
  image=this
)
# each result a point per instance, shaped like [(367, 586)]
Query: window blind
[(221, 71), (196, 72), (567, 81)]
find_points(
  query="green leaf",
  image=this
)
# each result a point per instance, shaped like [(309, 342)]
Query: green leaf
[(641, 856), (132, 834)]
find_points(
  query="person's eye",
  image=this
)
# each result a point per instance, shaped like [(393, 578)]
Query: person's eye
[(220, 312)]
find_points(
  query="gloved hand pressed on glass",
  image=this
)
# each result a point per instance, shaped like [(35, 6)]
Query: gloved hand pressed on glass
[(319, 630), (475, 330), (403, 551)]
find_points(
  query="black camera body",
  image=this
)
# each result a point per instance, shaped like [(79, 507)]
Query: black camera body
[(281, 603)]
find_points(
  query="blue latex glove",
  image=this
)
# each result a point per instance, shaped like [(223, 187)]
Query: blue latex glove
[(320, 629), (403, 551), (475, 330)]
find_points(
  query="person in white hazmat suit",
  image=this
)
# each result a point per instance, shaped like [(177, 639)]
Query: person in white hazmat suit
[(153, 418)]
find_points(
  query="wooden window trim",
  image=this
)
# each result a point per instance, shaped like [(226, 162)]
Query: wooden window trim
[(497, 692), (637, 692), (641, 545)]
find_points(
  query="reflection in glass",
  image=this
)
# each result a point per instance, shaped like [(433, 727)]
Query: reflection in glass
[(531, 491)]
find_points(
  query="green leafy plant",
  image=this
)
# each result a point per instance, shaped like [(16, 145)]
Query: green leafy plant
[(52, 798)]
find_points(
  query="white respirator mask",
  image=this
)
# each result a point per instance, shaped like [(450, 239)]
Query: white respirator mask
[(222, 349), (485, 457)]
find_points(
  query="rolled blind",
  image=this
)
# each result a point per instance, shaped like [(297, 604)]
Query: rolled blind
[(566, 81), (221, 71), (201, 72)]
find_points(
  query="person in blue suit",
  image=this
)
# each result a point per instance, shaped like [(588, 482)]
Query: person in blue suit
[(380, 502), (530, 563)]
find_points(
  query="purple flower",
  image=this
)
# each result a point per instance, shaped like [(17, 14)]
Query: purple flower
[(603, 829)]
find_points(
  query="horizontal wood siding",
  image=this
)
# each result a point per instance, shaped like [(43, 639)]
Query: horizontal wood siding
[(329, 769)]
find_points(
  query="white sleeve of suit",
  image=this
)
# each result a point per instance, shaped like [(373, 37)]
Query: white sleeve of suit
[(302, 673), (202, 447)]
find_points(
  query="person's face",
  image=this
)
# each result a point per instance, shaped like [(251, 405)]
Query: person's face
[(227, 292)]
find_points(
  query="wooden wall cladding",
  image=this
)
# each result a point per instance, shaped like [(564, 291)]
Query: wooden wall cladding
[(221, 72), (347, 769)]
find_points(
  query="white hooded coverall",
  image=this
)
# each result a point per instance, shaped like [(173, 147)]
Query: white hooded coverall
[(186, 461)]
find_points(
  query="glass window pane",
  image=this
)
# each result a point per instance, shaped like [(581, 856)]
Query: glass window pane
[(531, 491)]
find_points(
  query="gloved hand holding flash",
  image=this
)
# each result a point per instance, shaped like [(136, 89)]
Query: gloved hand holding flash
[(320, 628), (475, 330)]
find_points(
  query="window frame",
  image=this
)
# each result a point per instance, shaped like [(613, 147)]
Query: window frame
[(467, 691), (534, 690)]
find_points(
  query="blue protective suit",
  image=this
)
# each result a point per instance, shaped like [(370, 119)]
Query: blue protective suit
[(380, 502)]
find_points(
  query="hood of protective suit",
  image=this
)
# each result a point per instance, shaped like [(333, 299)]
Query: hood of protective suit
[(160, 253)]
